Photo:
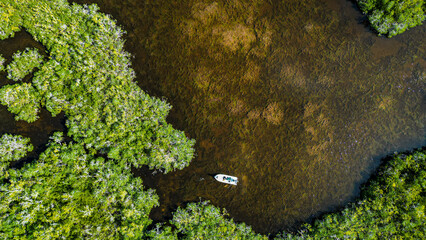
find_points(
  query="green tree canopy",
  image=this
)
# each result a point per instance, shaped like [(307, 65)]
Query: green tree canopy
[(21, 99), (12, 148), (68, 193), (392, 17), (23, 63), (88, 77), (204, 221), (2, 60)]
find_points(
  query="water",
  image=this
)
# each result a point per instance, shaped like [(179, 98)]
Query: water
[(39, 131), (300, 100)]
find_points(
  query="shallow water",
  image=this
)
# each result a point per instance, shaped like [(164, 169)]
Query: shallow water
[(299, 100)]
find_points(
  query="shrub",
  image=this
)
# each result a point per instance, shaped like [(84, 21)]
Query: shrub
[(22, 100), (2, 60), (392, 17), (23, 63), (12, 148), (11, 20)]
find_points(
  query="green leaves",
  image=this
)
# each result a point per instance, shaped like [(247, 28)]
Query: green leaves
[(390, 18), (204, 221), (88, 77), (69, 193), (22, 100), (2, 60), (11, 19), (23, 63), (12, 148)]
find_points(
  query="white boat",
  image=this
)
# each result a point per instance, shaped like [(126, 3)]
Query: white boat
[(223, 178)]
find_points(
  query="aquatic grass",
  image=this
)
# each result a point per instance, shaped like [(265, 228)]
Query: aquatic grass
[(171, 59)]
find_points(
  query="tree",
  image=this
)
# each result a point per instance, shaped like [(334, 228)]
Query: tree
[(392, 17), (2, 60), (12, 148), (21, 99), (204, 221), (68, 193), (88, 77), (23, 63)]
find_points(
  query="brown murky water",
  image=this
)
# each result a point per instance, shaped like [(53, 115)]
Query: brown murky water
[(299, 99)]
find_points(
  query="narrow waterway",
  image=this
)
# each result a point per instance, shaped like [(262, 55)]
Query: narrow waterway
[(297, 98)]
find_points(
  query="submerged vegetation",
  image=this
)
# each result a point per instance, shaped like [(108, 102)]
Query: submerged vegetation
[(392, 17), (392, 206)]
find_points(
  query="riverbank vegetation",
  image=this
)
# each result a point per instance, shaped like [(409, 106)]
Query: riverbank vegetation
[(88, 77), (392, 205), (68, 193), (392, 17), (204, 221)]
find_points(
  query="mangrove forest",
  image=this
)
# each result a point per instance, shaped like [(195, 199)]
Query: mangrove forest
[(275, 100)]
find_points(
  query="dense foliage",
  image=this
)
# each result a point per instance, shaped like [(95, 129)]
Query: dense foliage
[(204, 221), (12, 148), (10, 20), (88, 76), (69, 193), (23, 63), (2, 60), (392, 17), (21, 99)]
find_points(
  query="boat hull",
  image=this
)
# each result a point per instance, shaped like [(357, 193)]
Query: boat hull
[(223, 178)]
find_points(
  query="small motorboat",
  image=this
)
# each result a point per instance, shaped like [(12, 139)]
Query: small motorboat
[(226, 179)]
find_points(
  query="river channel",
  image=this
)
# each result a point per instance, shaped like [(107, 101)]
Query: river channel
[(299, 99)]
